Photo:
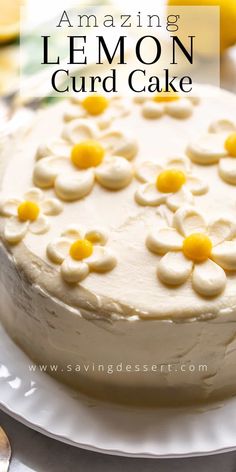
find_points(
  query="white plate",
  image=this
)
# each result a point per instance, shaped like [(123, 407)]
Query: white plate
[(42, 403)]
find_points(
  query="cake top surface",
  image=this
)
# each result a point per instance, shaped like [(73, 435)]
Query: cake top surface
[(127, 207)]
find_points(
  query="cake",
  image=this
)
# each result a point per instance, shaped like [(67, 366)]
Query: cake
[(118, 245)]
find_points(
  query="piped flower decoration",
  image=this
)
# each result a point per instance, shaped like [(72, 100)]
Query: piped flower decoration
[(83, 156), (218, 146), (78, 253), (101, 109), (28, 214), (173, 184), (191, 248), (174, 105)]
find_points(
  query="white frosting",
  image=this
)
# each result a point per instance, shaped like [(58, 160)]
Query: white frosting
[(115, 172), (58, 147), (117, 107), (15, 229), (221, 126), (117, 314), (208, 278), (72, 271), (181, 108), (127, 223), (210, 149), (207, 149), (148, 194)]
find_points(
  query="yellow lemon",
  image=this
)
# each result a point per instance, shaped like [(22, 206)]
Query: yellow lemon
[(89, 153), (165, 97), (95, 104), (197, 247), (230, 144), (170, 180), (9, 19), (28, 211), (81, 249), (227, 21)]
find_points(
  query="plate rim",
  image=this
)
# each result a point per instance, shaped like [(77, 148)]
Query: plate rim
[(111, 452), (27, 420)]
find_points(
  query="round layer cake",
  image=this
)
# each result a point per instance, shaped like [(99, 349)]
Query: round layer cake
[(118, 254)]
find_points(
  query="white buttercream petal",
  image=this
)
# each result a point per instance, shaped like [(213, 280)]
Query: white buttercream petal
[(46, 170), (222, 126), (196, 185), (102, 259), (119, 107), (73, 186), (225, 255), (208, 279), (188, 220), (174, 268), (128, 148), (104, 120), (77, 99), (58, 147), (148, 194), (39, 226), (221, 230), (9, 207), (15, 230), (194, 100), (58, 249), (34, 195), (181, 163), (73, 232), (207, 149), (74, 271), (180, 198), (115, 173), (141, 98), (181, 109), (152, 110), (51, 206), (164, 240), (147, 171), (73, 112), (227, 170), (80, 130), (97, 236), (120, 144)]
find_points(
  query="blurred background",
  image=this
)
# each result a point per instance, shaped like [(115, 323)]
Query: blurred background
[(10, 30)]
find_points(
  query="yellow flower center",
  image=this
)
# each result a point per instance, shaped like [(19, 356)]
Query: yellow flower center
[(197, 247), (230, 144), (170, 180), (87, 154), (81, 249), (28, 211), (95, 104), (165, 97)]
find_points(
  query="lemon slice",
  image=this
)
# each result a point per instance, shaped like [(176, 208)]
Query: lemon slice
[(9, 19), (227, 22)]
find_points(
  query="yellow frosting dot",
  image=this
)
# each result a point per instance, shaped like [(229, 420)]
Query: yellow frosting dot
[(197, 247), (165, 97), (95, 104), (230, 144), (170, 180), (81, 249), (28, 211), (87, 154)]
